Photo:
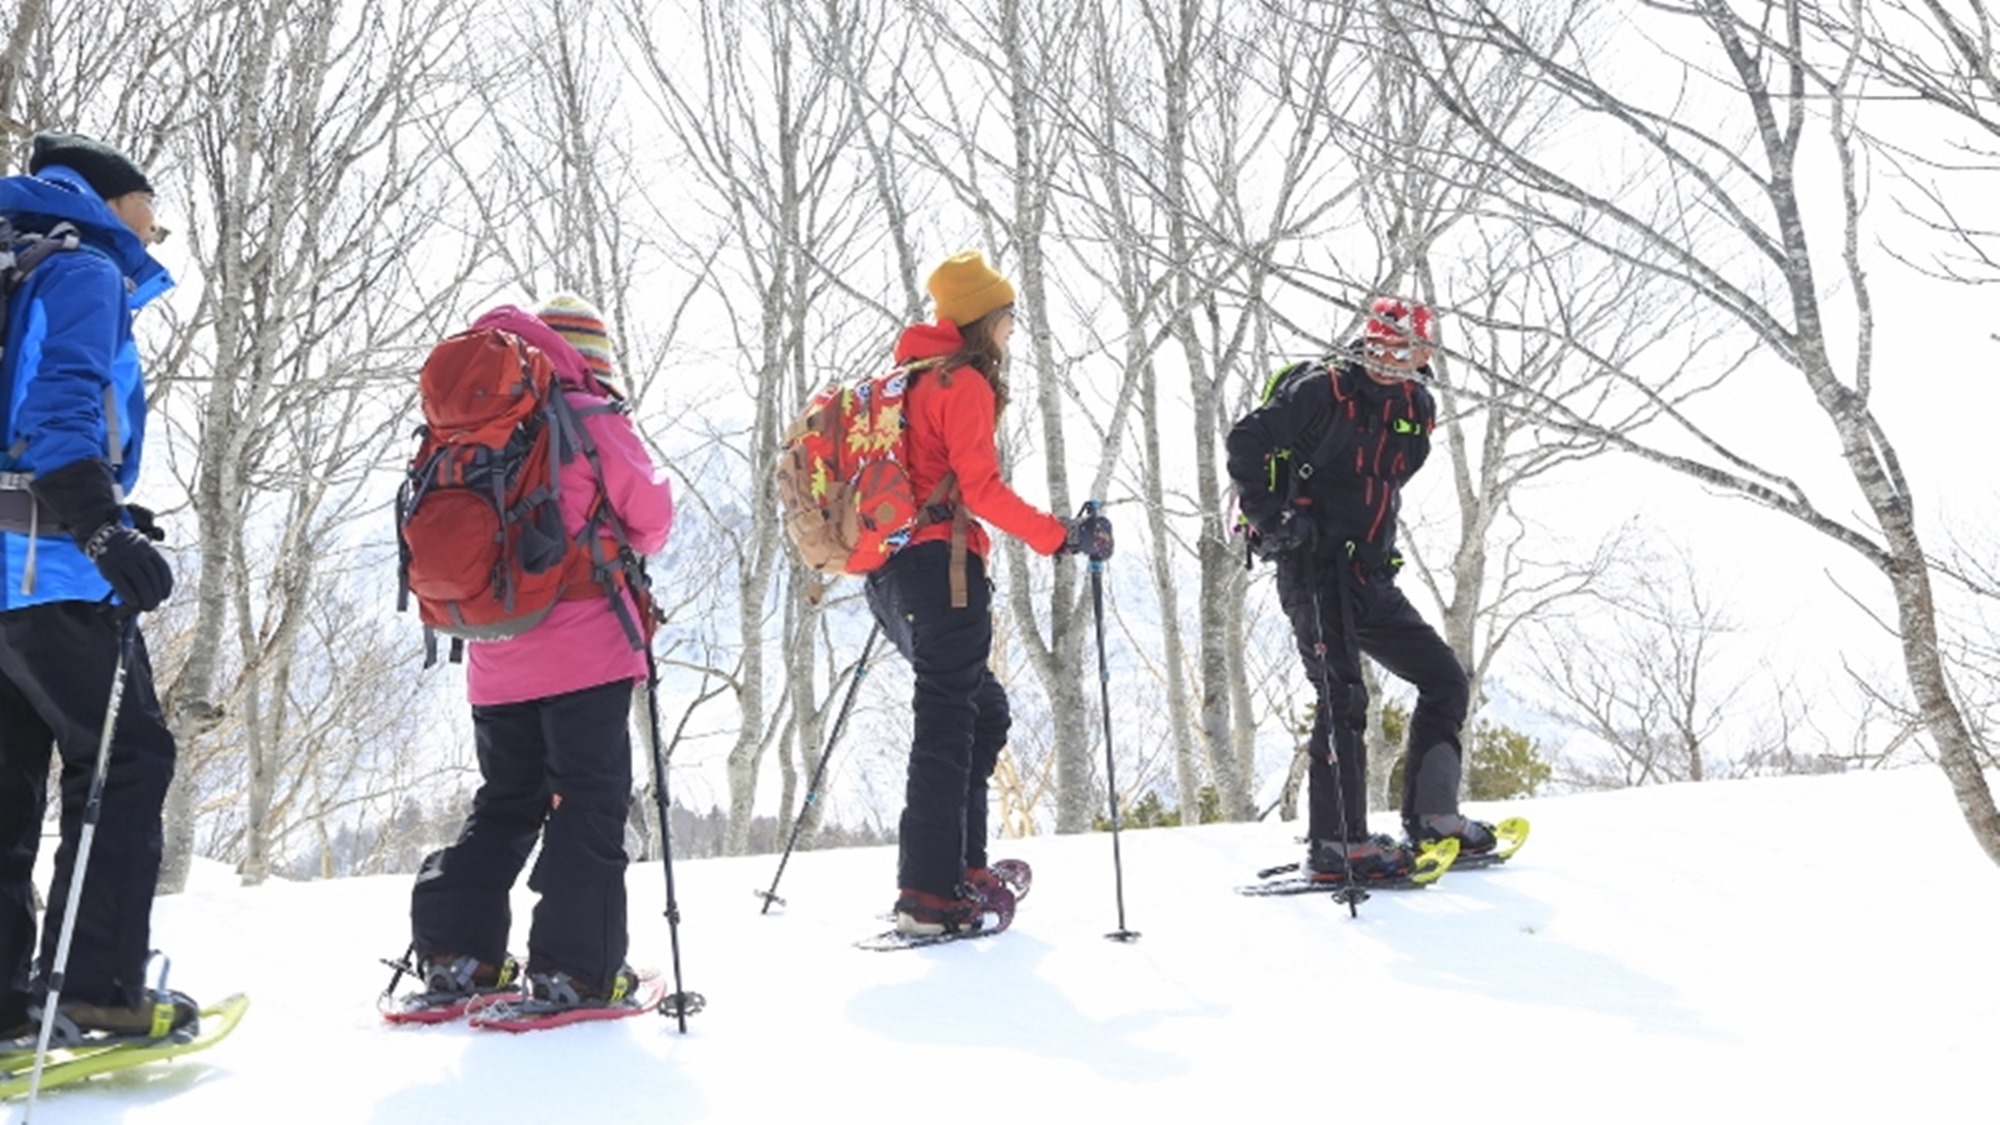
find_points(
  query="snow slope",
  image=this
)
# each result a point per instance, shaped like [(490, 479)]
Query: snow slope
[(1809, 949)]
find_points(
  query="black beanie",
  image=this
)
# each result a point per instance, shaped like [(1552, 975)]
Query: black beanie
[(110, 172)]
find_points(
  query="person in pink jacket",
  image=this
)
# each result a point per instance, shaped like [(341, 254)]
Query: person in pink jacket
[(549, 720)]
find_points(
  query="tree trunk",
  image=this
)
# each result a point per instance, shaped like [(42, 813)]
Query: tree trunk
[(13, 60), (1166, 586)]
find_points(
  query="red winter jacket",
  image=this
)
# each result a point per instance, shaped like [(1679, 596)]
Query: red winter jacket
[(952, 419)]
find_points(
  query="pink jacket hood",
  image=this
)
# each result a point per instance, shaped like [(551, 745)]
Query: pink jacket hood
[(571, 367)]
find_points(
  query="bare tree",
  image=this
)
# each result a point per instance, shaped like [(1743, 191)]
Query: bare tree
[(1638, 671), (1969, 610), (551, 170), (991, 140), (768, 137), (110, 70), (302, 173), (1501, 361), (1190, 257), (338, 736), (1119, 100), (13, 61), (1736, 236), (1943, 56), (849, 45)]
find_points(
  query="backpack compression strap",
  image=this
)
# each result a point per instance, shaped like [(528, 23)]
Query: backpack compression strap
[(1324, 443), (946, 503)]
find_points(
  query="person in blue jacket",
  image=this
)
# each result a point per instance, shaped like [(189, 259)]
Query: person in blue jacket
[(74, 568)]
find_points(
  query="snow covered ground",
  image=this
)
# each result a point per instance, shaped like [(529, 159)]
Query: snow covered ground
[(1810, 949)]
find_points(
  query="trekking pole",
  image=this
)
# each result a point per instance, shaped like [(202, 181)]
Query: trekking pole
[(128, 630), (819, 771), (680, 1003), (405, 966), (1349, 892), (1090, 508)]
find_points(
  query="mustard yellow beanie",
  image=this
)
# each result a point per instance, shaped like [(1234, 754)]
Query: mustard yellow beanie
[(966, 288)]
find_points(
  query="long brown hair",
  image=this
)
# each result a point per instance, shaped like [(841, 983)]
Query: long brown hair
[(979, 352)]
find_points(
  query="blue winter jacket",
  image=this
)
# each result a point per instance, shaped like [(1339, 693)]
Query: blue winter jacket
[(70, 384)]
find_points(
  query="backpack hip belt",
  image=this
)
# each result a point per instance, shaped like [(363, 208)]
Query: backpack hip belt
[(21, 513)]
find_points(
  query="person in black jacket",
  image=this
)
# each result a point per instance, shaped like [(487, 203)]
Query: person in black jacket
[(1319, 470)]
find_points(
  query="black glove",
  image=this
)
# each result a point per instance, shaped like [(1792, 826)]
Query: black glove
[(1089, 536), (144, 522), (84, 496), (1280, 535)]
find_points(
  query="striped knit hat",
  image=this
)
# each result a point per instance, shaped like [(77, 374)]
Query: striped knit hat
[(579, 322)]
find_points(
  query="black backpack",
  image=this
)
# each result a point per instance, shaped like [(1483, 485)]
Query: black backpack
[(1293, 464)]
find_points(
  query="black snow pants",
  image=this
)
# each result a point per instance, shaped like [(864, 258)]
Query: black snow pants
[(56, 666), (1388, 629), (961, 711), (559, 768)]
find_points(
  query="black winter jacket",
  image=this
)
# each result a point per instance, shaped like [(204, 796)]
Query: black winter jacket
[(1362, 439)]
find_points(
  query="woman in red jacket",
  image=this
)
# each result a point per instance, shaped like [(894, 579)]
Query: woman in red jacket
[(961, 721)]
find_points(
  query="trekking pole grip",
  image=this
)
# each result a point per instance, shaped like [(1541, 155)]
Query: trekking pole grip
[(1093, 563)]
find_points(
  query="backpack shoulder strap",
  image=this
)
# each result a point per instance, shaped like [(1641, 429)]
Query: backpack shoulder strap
[(946, 501), (623, 568), (1323, 444), (20, 253)]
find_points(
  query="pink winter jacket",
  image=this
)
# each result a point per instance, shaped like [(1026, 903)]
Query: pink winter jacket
[(581, 643)]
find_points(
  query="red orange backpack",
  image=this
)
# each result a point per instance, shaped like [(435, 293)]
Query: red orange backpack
[(844, 486), (479, 515)]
